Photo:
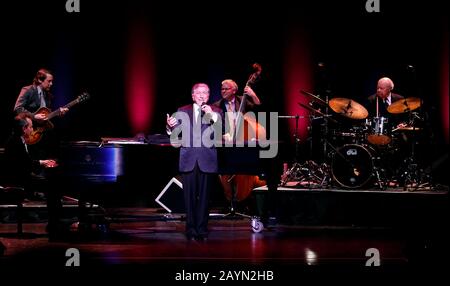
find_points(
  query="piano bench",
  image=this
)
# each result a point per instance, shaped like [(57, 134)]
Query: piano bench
[(14, 197)]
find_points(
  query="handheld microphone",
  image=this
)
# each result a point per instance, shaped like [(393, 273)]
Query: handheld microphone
[(201, 105)]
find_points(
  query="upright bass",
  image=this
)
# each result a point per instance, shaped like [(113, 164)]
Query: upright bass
[(238, 187)]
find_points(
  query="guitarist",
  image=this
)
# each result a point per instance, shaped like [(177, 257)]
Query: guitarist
[(33, 97)]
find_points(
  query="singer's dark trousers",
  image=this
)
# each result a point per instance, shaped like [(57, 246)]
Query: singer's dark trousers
[(196, 187)]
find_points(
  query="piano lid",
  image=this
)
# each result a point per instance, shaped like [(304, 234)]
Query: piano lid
[(124, 141)]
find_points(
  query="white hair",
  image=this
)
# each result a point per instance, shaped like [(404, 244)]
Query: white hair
[(389, 81)]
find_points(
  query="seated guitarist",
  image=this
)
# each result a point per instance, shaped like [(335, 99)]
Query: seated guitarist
[(32, 98)]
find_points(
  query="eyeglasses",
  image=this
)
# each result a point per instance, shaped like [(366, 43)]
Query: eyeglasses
[(201, 92)]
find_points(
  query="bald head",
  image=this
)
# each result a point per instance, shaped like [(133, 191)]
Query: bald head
[(384, 87)]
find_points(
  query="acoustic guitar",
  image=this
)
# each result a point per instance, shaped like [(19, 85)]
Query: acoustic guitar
[(44, 125)]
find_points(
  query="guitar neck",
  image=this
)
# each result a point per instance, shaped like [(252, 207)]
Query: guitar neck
[(57, 112)]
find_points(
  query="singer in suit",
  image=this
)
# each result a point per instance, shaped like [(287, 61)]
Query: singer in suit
[(198, 156)]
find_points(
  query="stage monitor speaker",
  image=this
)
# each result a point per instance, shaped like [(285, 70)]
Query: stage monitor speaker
[(171, 197)]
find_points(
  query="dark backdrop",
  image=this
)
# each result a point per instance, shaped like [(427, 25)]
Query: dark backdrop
[(196, 41)]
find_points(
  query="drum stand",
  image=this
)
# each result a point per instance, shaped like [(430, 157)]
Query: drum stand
[(412, 175), (380, 175), (310, 174)]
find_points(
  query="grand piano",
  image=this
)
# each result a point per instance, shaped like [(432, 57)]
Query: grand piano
[(113, 159), (143, 166)]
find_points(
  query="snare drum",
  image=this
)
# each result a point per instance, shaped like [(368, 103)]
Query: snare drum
[(379, 133)]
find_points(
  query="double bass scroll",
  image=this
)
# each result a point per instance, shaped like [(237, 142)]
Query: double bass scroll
[(247, 127)]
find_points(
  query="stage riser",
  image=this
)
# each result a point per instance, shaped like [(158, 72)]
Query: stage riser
[(354, 208)]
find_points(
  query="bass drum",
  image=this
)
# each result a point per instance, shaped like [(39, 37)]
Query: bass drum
[(352, 166)]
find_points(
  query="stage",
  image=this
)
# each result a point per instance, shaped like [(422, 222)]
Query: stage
[(317, 231)]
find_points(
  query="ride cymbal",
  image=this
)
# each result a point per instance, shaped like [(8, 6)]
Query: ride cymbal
[(348, 108), (404, 105)]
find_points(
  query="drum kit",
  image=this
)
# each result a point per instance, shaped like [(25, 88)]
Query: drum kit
[(362, 160)]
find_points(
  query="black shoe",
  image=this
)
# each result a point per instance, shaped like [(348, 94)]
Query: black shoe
[(201, 238), (190, 237), (270, 221)]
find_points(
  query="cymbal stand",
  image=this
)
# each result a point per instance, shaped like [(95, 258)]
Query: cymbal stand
[(290, 174), (325, 167), (412, 175), (295, 135), (309, 174)]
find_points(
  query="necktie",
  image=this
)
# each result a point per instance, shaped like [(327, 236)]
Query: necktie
[(41, 96), (197, 114), (231, 119), (24, 144)]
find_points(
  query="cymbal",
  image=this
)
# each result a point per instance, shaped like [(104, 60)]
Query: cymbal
[(316, 111), (404, 105), (314, 97), (348, 108), (407, 128), (310, 108)]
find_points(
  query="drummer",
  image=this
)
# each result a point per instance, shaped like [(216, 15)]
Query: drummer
[(378, 103)]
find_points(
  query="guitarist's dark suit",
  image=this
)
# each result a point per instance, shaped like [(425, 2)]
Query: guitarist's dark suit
[(29, 101)]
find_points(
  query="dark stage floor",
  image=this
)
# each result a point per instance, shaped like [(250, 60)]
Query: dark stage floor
[(150, 241)]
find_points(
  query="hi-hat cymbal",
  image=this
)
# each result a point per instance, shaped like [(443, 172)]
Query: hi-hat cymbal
[(404, 105), (348, 108)]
